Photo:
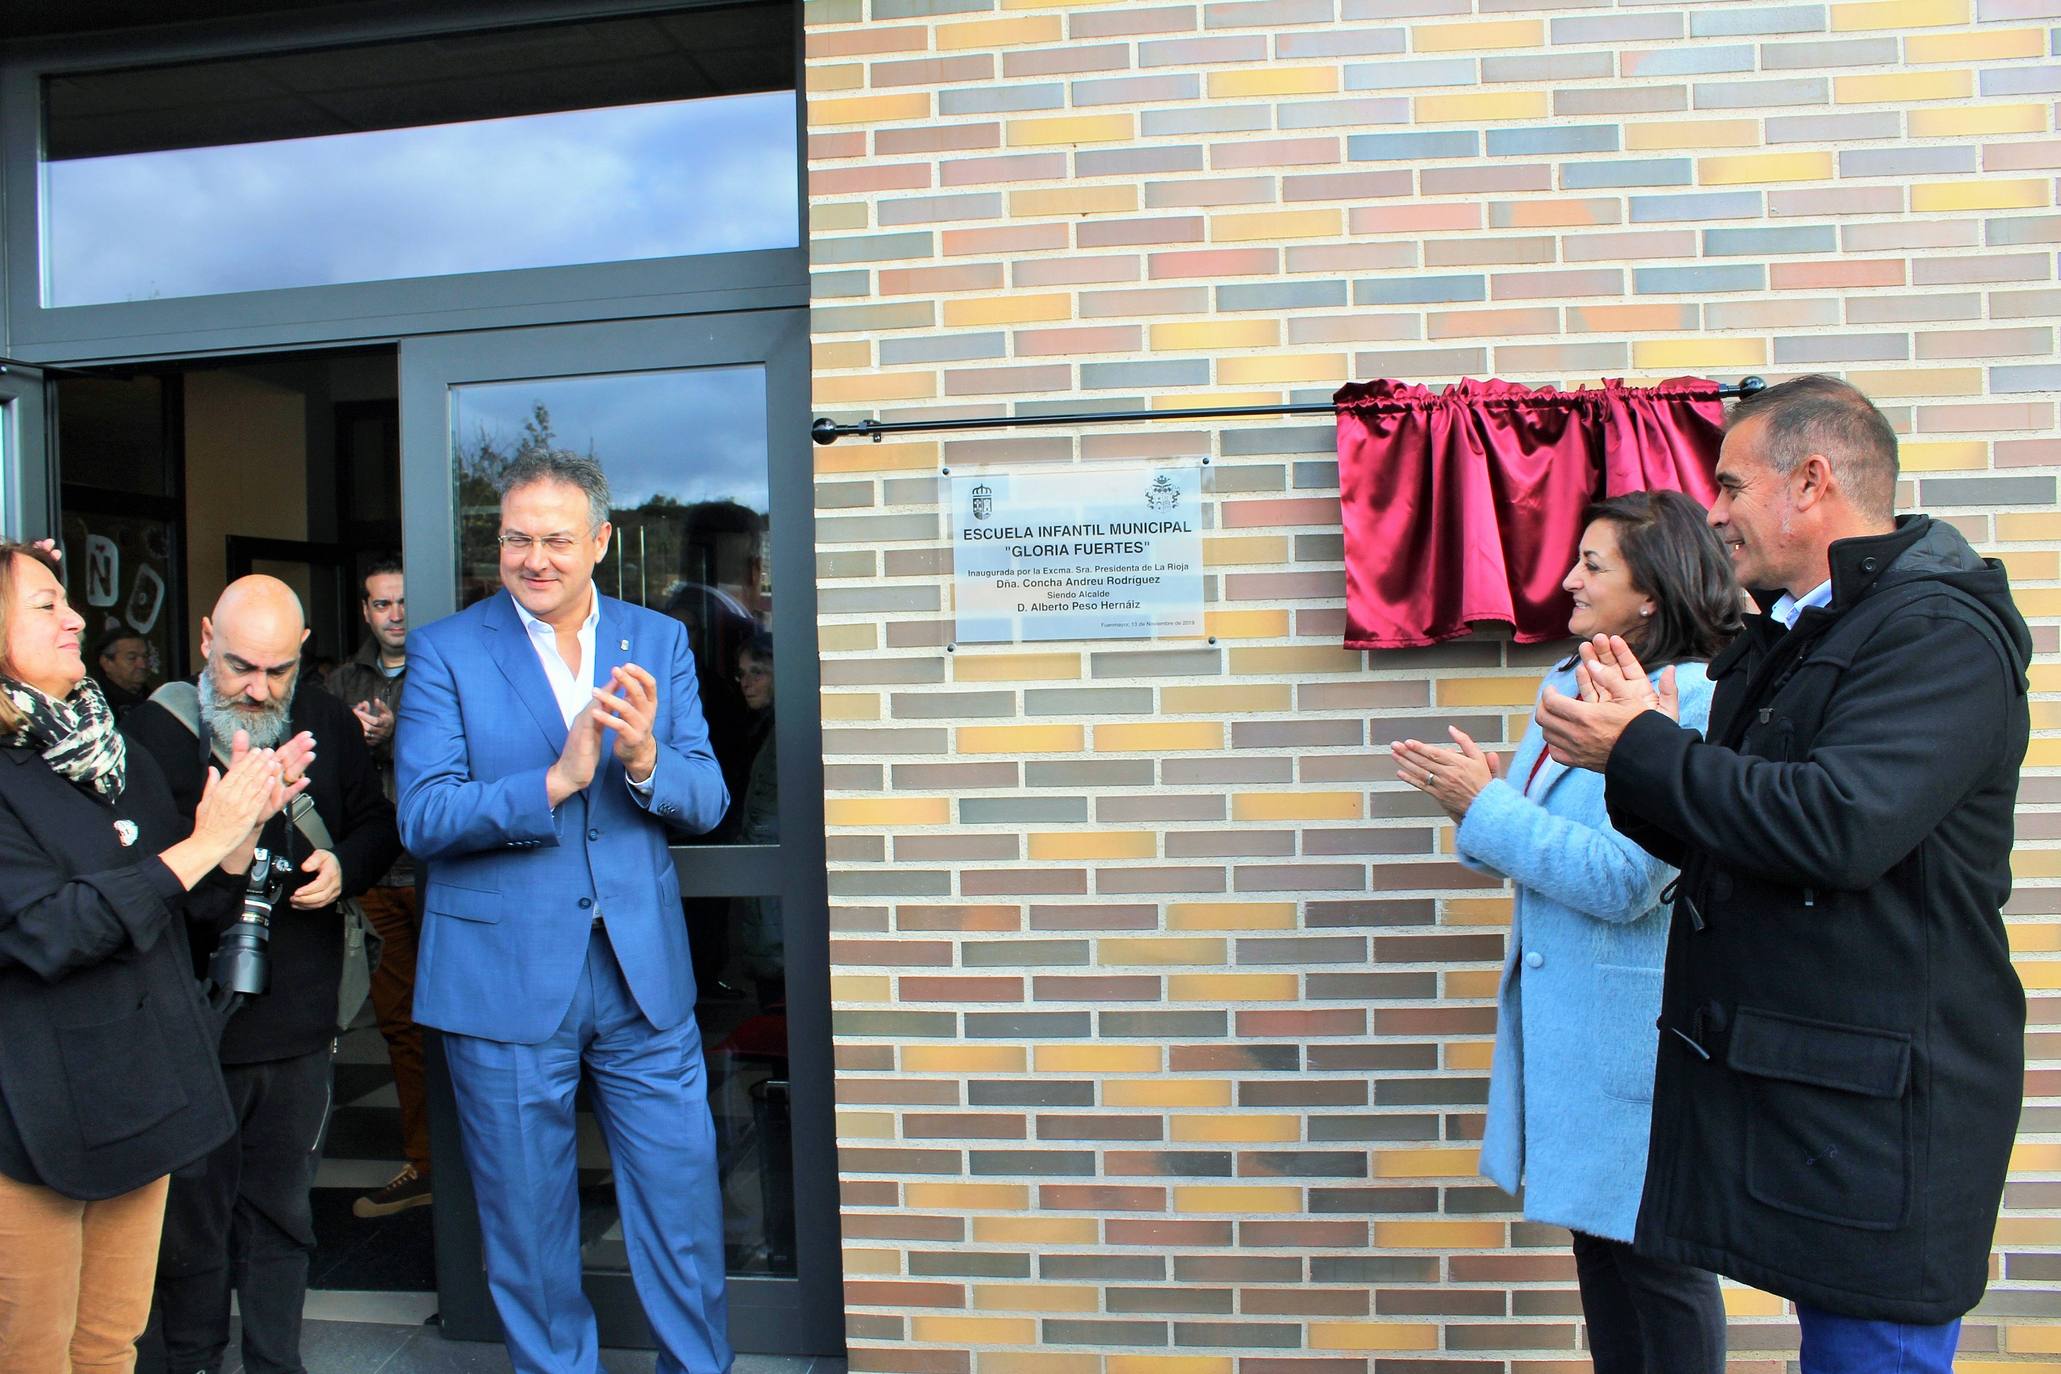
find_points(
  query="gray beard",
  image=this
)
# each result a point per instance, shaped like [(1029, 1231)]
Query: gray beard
[(267, 726)]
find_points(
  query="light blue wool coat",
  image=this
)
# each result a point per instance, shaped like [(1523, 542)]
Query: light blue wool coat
[(1571, 1084)]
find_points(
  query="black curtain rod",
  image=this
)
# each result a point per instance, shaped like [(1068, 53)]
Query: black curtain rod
[(829, 431)]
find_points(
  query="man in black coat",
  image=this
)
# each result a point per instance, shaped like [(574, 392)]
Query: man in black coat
[(247, 1216), (1841, 1031)]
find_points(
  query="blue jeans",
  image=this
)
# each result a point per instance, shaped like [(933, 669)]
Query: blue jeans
[(1833, 1344)]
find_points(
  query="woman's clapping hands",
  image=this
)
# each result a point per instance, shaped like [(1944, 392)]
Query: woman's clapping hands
[(1451, 777)]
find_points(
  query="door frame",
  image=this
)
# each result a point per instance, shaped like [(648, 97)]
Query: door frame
[(25, 487), (805, 1314)]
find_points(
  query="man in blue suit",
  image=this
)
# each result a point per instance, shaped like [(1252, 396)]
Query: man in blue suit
[(539, 766)]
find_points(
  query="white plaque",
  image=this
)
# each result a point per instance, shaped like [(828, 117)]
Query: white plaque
[(1077, 553)]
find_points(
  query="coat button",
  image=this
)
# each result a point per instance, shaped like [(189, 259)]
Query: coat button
[(1534, 960), (593, 834), (586, 902), (1869, 565)]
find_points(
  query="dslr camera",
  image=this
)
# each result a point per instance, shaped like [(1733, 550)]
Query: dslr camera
[(242, 963)]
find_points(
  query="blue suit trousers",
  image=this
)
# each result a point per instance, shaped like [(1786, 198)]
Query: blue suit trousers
[(649, 1091), (1834, 1344)]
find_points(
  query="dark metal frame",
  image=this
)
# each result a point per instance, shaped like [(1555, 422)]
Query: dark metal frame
[(25, 507), (360, 312), (804, 1314), (828, 431)]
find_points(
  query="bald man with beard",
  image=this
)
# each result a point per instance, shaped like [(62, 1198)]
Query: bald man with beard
[(246, 1217)]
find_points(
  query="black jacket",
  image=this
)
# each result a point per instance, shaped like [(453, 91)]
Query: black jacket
[(298, 1014), (108, 1076), (357, 680), (1841, 1031)]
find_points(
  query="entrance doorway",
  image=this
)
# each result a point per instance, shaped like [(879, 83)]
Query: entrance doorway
[(695, 423), (176, 477)]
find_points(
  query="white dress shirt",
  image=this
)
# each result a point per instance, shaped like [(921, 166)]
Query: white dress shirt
[(1787, 608), (573, 694)]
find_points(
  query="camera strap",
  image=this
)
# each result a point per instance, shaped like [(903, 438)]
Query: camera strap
[(182, 699), (361, 942)]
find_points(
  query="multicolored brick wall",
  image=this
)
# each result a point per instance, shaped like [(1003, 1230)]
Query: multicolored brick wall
[(1163, 1021)]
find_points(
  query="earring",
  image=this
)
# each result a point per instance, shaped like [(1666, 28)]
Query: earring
[(1645, 610)]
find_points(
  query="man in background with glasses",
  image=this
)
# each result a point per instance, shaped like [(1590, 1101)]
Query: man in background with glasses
[(548, 739)]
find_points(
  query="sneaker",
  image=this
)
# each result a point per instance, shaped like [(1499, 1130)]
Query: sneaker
[(404, 1190)]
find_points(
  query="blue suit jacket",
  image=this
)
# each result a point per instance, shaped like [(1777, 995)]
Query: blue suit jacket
[(513, 886)]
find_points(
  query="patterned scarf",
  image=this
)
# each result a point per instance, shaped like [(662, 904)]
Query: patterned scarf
[(76, 736)]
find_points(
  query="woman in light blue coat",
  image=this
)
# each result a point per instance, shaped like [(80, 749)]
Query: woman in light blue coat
[(1571, 1084)]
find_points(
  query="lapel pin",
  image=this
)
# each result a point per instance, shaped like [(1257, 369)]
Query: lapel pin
[(625, 646), (125, 831)]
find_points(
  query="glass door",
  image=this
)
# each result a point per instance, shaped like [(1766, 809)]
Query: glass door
[(702, 427)]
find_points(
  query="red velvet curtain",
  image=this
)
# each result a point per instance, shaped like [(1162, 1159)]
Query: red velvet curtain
[(1466, 504)]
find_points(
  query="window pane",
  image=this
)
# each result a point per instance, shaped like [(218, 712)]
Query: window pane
[(630, 139), (685, 454)]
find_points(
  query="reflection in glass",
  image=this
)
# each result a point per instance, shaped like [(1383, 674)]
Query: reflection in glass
[(742, 1014), (662, 179), (685, 454)]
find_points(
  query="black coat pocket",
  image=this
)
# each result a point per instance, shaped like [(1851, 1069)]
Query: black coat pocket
[(120, 1074), (1828, 1117)]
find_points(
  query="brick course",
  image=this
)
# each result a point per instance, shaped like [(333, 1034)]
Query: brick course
[(1162, 1018)]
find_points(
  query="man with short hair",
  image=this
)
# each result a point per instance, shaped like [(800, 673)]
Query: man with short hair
[(540, 766), (245, 1220), (121, 665), (370, 684), (1841, 1030)]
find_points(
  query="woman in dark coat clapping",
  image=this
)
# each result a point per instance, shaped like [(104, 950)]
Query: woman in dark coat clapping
[(108, 1077)]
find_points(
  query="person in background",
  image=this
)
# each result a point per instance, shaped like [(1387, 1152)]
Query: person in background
[(121, 665), (760, 938), (371, 684), (107, 1048), (315, 669), (244, 1221), (1571, 1079), (759, 816), (1843, 1057)]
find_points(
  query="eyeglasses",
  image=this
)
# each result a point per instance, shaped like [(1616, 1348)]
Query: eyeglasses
[(522, 543)]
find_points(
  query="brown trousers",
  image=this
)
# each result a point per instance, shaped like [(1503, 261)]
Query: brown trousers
[(398, 921), (75, 1278)]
